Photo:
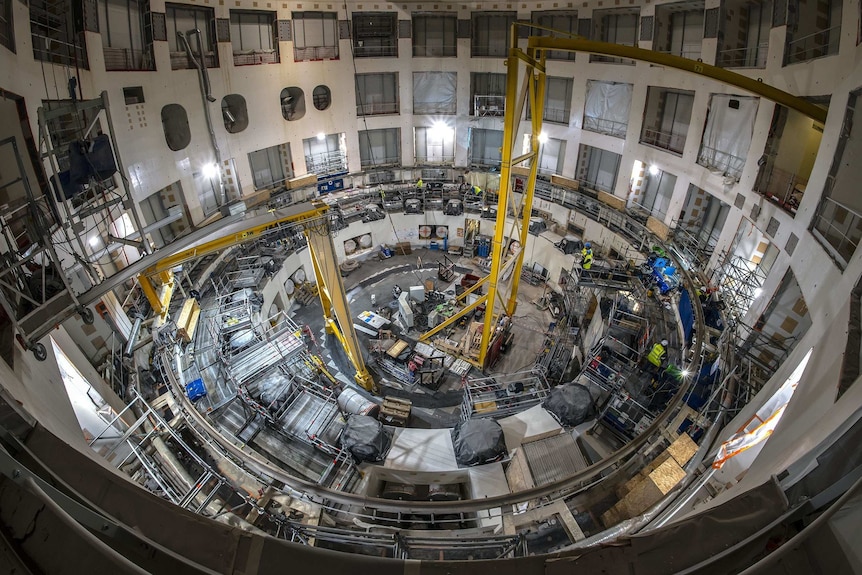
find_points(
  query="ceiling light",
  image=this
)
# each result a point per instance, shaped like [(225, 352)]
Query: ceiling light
[(653, 170), (94, 241), (321, 136), (543, 138), (210, 170), (441, 130)]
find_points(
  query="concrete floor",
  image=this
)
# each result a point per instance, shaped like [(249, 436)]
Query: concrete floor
[(377, 277)]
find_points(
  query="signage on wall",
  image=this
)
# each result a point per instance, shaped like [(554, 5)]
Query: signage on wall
[(431, 232), (327, 186)]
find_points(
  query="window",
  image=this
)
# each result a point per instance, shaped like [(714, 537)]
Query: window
[(813, 31), (377, 94), (183, 18), (325, 154), (292, 103), (606, 110), (486, 147), (164, 208), (375, 34), (654, 195), (434, 145), (838, 222), (271, 166), (666, 119), (551, 155), (597, 168), (727, 136), (679, 29), (744, 38), (701, 222), (133, 95), (56, 37), (175, 123), (125, 44), (562, 21), (434, 92), (616, 27), (252, 36), (488, 91), (321, 97), (234, 113), (7, 31), (558, 100), (380, 147), (490, 35), (315, 36), (434, 35)]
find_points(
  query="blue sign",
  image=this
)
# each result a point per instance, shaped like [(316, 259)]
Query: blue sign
[(326, 186)]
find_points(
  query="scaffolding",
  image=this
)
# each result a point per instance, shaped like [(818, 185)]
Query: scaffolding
[(689, 248), (503, 395), (740, 281)]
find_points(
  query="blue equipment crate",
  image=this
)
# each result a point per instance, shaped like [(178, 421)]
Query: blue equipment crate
[(196, 390)]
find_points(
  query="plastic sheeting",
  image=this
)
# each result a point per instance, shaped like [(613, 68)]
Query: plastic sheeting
[(478, 441), (365, 438), (728, 132), (571, 404), (686, 315), (434, 92), (607, 107)]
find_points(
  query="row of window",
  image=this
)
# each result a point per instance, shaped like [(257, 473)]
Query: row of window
[(129, 28)]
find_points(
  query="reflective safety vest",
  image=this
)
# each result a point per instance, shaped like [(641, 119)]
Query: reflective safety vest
[(587, 261), (656, 354)]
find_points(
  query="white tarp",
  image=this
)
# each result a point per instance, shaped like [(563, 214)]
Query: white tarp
[(434, 92), (728, 132), (607, 107)]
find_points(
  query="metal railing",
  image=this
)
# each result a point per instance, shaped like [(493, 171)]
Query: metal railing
[(838, 228), (782, 187), (486, 105), (433, 160), (380, 161), (690, 53), (750, 57), (374, 51), (811, 46), (255, 57), (181, 61), (714, 159), (557, 115), (605, 126), (666, 141), (327, 163), (435, 51), (311, 53), (435, 108), (377, 108), (121, 59)]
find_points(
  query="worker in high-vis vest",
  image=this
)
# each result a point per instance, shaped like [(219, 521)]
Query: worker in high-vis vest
[(587, 256), (657, 354)]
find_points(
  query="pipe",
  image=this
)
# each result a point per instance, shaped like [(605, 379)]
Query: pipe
[(203, 77), (133, 336)]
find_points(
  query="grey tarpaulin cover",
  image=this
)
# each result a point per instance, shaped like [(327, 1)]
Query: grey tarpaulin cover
[(365, 438), (478, 441), (571, 403)]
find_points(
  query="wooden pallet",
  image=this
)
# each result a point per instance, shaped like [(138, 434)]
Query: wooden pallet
[(395, 411)]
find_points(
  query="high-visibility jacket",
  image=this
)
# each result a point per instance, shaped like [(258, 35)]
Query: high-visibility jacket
[(587, 258), (656, 354)]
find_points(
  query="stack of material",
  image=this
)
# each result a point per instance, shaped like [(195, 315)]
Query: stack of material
[(395, 411), (403, 248), (652, 483), (478, 441), (365, 438), (188, 320), (306, 293)]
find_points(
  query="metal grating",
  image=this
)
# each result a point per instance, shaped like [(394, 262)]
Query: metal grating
[(554, 458), (739, 201), (91, 16), (285, 30), (222, 29), (779, 13), (343, 29), (405, 29), (160, 29), (772, 228), (710, 23), (464, 27), (790, 246), (647, 23), (755, 211)]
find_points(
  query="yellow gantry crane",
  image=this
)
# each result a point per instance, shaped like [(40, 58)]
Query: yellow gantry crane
[(313, 218), (501, 300)]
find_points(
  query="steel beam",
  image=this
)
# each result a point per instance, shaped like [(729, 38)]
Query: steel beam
[(756, 87)]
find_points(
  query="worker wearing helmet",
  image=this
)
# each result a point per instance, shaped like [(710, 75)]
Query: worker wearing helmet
[(587, 256), (657, 353)]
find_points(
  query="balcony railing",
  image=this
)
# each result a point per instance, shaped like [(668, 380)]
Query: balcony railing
[(326, 163), (816, 45), (667, 141), (119, 59), (377, 108), (477, 160), (838, 228), (753, 57), (557, 116), (713, 159), (312, 53), (375, 51), (605, 126), (252, 57), (782, 187), (181, 61), (434, 51), (433, 160), (435, 108), (489, 105), (380, 161), (684, 52)]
